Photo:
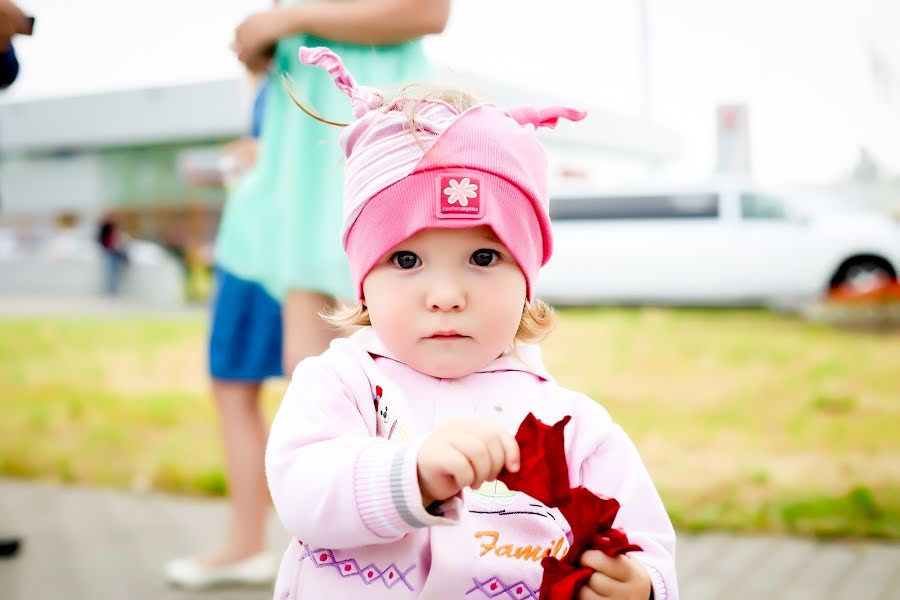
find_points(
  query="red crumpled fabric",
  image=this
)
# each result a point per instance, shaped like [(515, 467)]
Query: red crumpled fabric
[(544, 475), (562, 580), (542, 451)]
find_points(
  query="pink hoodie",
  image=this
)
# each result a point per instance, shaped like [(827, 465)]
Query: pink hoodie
[(341, 465)]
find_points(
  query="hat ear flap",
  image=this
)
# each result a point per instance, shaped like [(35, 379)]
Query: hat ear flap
[(363, 98)]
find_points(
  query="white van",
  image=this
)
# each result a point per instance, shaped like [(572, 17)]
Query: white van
[(723, 244)]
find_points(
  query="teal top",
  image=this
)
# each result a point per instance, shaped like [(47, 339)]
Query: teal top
[(281, 225)]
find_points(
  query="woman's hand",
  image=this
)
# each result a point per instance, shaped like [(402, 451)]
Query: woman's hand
[(256, 36), (616, 577)]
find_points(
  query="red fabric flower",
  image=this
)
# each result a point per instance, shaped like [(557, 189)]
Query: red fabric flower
[(544, 474)]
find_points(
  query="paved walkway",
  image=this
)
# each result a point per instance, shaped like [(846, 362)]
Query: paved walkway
[(84, 543)]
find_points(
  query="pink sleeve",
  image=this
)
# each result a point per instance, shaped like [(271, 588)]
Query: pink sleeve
[(615, 469), (334, 484)]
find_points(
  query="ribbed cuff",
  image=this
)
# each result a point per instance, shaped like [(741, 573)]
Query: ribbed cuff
[(660, 589), (386, 484)]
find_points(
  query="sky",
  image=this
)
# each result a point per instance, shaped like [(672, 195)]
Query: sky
[(821, 78)]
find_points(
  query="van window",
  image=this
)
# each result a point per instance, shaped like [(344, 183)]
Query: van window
[(662, 206), (755, 205)]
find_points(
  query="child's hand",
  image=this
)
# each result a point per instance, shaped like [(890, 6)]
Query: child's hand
[(616, 577), (464, 453)]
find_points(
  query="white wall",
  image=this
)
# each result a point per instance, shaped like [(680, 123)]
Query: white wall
[(193, 111), (49, 185)]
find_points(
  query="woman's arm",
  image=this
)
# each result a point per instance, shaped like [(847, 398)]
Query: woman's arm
[(365, 22), (379, 22)]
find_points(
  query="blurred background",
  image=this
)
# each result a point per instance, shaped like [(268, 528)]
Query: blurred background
[(782, 114), (727, 229)]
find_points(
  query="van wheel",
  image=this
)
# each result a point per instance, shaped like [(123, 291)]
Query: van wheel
[(863, 273)]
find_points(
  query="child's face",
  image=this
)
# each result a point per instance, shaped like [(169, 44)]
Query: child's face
[(446, 301)]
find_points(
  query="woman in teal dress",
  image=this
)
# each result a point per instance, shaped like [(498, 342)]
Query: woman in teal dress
[(278, 253)]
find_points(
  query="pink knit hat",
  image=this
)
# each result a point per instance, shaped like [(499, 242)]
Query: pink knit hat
[(484, 166)]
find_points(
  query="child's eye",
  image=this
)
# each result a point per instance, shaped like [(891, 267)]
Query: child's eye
[(484, 257), (406, 260)]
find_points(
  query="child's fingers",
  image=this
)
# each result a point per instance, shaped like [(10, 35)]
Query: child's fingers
[(599, 585), (510, 450), (476, 452), (615, 567), (493, 431), (497, 454), (456, 465), (586, 593)]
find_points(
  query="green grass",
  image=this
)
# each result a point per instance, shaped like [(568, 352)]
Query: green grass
[(119, 402), (747, 420)]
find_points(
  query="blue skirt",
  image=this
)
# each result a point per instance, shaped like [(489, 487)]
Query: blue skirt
[(245, 338)]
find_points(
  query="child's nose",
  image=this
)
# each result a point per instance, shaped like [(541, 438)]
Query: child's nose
[(446, 294)]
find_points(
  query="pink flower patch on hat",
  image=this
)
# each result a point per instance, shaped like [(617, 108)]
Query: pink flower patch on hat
[(461, 191), (459, 198)]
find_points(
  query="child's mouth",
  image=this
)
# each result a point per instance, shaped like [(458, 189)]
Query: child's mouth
[(447, 335)]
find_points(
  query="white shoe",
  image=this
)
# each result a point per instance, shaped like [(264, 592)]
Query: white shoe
[(189, 573)]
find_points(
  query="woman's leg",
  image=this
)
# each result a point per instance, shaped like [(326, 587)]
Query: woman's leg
[(244, 434), (244, 349), (305, 333)]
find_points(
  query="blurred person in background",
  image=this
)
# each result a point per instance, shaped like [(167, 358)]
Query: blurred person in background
[(109, 236), (278, 252)]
